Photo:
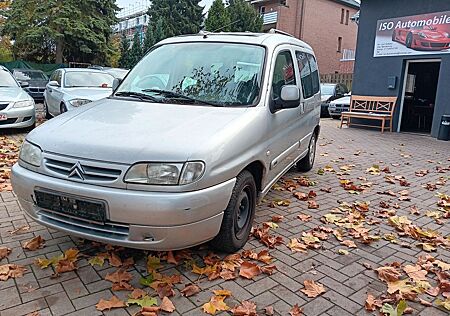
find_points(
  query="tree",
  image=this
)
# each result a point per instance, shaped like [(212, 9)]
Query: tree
[(218, 18), (244, 17), (149, 39), (54, 30), (124, 61), (136, 50), (175, 17), (113, 56)]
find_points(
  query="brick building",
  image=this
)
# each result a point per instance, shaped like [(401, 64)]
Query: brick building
[(324, 24)]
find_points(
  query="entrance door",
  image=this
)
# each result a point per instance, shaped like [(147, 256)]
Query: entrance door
[(419, 96)]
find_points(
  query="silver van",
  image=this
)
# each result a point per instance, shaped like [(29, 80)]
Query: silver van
[(184, 148)]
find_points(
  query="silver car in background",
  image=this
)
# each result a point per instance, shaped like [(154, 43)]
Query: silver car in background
[(70, 88), (183, 150), (17, 108)]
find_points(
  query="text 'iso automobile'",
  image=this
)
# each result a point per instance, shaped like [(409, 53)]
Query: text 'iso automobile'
[(184, 148)]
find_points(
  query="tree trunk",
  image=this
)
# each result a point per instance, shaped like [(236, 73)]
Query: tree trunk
[(59, 51)]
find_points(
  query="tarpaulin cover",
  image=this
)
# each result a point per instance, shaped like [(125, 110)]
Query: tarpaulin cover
[(46, 68)]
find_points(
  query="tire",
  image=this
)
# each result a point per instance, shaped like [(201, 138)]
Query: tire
[(409, 40), (307, 162), (47, 113), (238, 216), (62, 108)]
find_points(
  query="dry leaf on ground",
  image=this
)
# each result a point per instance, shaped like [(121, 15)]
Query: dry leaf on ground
[(34, 243), (245, 309), (114, 302), (312, 289)]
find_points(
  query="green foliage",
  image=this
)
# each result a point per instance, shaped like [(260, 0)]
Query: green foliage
[(124, 60), (389, 310), (149, 39), (244, 17), (6, 53), (136, 50), (74, 30), (218, 17)]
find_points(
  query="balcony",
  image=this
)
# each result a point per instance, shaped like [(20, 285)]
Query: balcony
[(270, 17)]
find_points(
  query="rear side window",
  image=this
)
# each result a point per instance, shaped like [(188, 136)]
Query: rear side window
[(309, 74), (283, 73)]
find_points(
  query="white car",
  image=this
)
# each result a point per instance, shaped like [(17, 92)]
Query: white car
[(70, 88), (340, 105)]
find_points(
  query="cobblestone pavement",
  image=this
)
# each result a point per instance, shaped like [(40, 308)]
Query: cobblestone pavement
[(346, 278)]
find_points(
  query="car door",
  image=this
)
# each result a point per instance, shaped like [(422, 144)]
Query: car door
[(54, 93), (283, 124)]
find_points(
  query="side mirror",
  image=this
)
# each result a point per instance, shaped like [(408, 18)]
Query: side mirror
[(289, 98), (116, 83), (24, 84), (53, 83)]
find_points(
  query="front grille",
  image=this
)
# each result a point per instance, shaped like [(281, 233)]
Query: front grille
[(35, 90), (438, 44), (8, 121), (81, 171), (108, 229), (3, 106)]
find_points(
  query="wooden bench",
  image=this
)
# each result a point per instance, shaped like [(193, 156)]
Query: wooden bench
[(370, 108)]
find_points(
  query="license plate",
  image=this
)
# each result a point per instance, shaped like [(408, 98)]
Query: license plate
[(73, 206), (3, 117)]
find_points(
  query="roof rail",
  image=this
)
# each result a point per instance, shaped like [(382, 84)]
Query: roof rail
[(275, 31)]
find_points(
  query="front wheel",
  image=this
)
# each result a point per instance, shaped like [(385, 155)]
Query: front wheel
[(47, 113), (409, 40), (307, 162), (238, 216), (63, 108)]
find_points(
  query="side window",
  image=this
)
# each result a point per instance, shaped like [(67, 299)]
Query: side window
[(305, 74), (314, 74), (53, 76), (283, 73), (59, 77)]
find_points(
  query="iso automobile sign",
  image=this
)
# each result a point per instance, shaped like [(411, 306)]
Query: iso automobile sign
[(413, 35)]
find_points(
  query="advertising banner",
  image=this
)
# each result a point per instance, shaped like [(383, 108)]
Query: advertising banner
[(413, 35)]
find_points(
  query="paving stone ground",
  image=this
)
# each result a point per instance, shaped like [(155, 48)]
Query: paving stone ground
[(346, 279)]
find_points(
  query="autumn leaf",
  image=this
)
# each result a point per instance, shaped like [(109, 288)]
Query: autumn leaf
[(264, 256), (215, 304), (371, 303), (119, 275), (304, 217), (312, 289), (270, 269), (114, 302), (295, 311), (97, 260), (268, 310), (167, 305), (374, 170), (349, 243), (301, 196), (343, 252), (222, 292), (415, 272), (11, 271), (297, 246), (246, 308), (190, 289), (153, 263), (388, 274), (138, 293), (445, 304), (401, 286), (4, 252), (144, 301), (114, 260), (398, 311), (277, 218), (249, 270), (427, 246), (146, 281), (313, 204), (171, 258), (34, 243)]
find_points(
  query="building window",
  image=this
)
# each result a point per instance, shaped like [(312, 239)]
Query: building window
[(339, 44), (347, 17), (342, 16), (262, 10)]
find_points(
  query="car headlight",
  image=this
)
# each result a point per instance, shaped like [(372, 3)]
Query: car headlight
[(79, 102), (31, 154), (23, 104), (165, 173), (422, 35)]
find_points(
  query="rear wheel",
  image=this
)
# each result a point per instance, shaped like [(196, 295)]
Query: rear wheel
[(238, 217), (409, 40), (307, 162)]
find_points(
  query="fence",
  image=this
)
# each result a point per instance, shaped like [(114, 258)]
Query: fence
[(346, 79)]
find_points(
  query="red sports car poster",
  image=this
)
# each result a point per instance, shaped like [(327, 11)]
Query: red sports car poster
[(413, 35)]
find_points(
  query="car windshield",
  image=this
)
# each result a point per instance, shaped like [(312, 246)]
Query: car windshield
[(29, 75), (223, 74), (326, 89), (117, 73), (88, 79), (6, 80)]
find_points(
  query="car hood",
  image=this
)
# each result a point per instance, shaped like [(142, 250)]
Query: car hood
[(37, 83), (325, 97), (343, 100), (13, 94), (92, 94), (129, 131)]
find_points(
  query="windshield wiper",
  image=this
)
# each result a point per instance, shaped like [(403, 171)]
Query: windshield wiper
[(172, 94), (141, 96)]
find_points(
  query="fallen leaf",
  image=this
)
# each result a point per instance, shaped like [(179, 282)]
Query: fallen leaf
[(167, 305), (4, 252), (313, 205), (343, 252), (138, 293), (11, 271), (445, 304), (295, 311), (115, 260), (153, 264), (268, 310), (114, 302), (171, 258), (145, 301), (371, 303), (415, 272), (34, 243), (222, 292), (246, 308), (388, 274), (304, 217), (398, 311), (270, 269), (249, 270), (215, 304), (349, 243), (190, 289), (296, 246), (312, 289), (97, 260)]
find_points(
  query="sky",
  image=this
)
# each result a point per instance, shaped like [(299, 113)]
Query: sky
[(124, 3)]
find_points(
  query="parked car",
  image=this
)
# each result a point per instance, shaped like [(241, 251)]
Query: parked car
[(336, 107), (183, 150), (70, 88), (422, 38), (330, 92), (36, 79), (119, 73), (17, 108)]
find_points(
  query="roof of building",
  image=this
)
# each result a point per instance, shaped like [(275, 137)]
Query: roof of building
[(351, 3)]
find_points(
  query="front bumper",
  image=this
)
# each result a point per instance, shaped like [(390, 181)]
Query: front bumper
[(18, 118), (337, 110), (136, 219)]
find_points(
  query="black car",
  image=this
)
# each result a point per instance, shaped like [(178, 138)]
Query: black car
[(330, 92), (36, 79)]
